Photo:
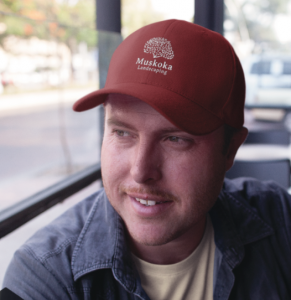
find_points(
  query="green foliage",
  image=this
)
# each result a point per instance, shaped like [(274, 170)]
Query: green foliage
[(82, 18), (11, 5), (50, 19)]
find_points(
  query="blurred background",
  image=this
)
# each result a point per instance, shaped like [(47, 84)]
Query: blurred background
[(50, 57), (48, 60)]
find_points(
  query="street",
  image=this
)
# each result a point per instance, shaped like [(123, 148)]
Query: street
[(41, 143)]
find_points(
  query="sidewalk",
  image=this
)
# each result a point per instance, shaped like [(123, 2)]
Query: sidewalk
[(28, 102)]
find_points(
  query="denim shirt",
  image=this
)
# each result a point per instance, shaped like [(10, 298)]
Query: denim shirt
[(84, 255)]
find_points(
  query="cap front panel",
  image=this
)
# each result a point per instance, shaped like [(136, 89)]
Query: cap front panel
[(130, 62), (195, 64), (188, 73)]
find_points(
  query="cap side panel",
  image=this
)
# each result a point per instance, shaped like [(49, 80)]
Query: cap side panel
[(235, 101)]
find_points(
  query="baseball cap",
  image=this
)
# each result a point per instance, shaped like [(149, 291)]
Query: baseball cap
[(189, 74)]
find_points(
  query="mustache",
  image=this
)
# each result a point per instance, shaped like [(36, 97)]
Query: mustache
[(151, 191)]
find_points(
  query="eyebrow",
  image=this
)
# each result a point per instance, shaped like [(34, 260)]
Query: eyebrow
[(115, 122)]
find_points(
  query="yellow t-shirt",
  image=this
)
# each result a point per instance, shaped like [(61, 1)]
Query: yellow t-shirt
[(191, 278)]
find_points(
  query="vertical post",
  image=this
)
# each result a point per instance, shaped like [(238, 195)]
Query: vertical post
[(108, 23), (210, 14), (108, 15)]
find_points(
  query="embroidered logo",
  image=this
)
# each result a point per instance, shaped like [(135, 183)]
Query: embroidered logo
[(159, 47)]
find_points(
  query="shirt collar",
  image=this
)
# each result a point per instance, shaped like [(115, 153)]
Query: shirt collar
[(101, 245), (236, 223)]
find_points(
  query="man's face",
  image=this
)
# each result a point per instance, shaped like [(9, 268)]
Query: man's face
[(144, 156)]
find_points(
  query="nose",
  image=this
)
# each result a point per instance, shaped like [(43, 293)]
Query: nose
[(146, 163)]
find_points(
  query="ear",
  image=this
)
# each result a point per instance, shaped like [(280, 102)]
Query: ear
[(236, 141)]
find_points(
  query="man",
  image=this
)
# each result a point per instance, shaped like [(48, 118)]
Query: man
[(167, 225)]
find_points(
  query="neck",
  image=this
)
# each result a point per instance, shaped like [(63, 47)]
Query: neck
[(173, 251)]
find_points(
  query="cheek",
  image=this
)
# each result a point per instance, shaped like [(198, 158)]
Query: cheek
[(182, 174), (114, 163), (194, 174), (212, 173)]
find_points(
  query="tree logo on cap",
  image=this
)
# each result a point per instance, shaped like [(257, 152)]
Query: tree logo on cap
[(159, 47)]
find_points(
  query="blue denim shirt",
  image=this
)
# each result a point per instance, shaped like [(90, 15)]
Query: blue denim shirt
[(84, 255)]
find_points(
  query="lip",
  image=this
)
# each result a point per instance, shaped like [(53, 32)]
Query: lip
[(149, 211), (147, 197)]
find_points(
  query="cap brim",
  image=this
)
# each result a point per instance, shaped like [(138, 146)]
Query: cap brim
[(180, 111)]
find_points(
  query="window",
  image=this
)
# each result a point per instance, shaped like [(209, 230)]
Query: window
[(50, 57), (261, 67), (258, 31), (287, 68), (48, 54)]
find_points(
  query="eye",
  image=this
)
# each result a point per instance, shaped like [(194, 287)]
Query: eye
[(121, 132), (174, 139)]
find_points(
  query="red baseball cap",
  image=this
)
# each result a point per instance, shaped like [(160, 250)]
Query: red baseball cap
[(189, 74)]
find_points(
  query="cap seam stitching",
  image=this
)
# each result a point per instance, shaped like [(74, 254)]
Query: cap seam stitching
[(170, 26)]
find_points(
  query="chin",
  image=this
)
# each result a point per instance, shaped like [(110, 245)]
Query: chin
[(150, 240), (153, 235)]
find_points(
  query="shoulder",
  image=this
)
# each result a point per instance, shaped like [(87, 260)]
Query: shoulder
[(266, 199), (256, 193), (249, 187), (64, 231), (47, 255), (254, 220)]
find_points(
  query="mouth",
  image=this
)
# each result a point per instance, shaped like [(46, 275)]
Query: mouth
[(149, 202)]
